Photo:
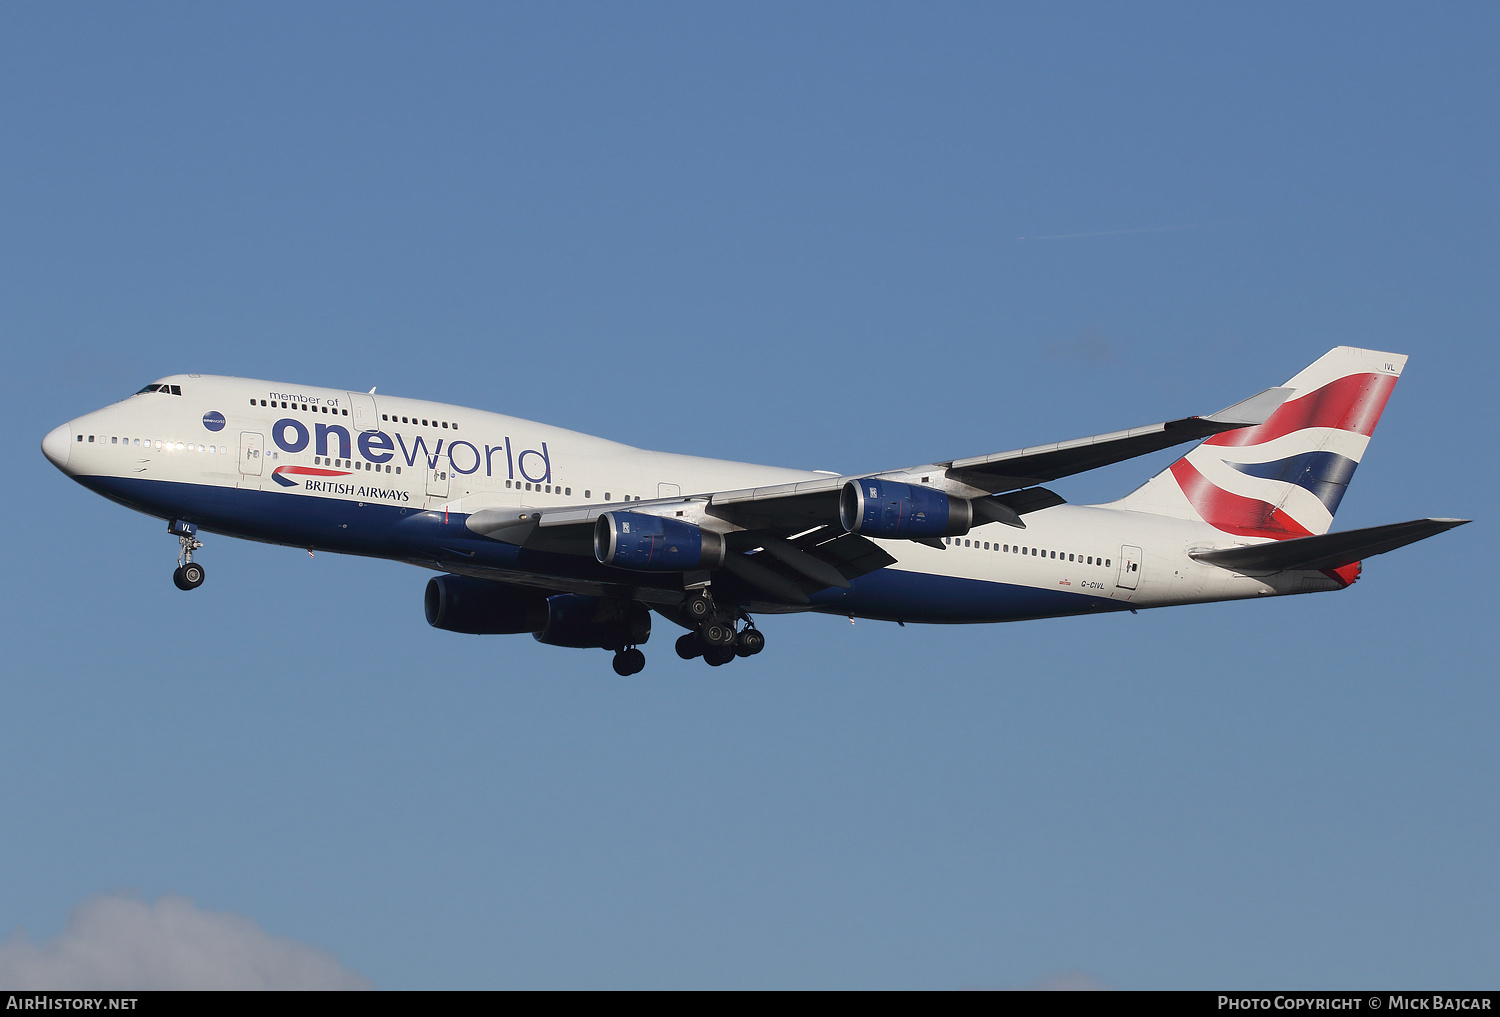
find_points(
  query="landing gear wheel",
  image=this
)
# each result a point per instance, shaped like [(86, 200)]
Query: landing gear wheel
[(629, 662), (717, 634), (689, 646), (189, 576), (718, 656), (697, 607), (749, 642)]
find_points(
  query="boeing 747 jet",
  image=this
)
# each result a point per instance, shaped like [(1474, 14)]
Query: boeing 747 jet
[(578, 540)]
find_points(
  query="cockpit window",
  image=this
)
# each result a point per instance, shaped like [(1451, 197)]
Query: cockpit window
[(163, 389), (148, 388)]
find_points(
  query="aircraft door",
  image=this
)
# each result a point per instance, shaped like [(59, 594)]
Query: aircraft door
[(437, 480), (252, 453), (1130, 567), (362, 412)]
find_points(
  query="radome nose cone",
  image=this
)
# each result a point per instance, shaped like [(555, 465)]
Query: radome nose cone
[(58, 445)]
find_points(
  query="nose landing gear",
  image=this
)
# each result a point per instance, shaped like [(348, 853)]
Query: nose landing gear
[(189, 574)]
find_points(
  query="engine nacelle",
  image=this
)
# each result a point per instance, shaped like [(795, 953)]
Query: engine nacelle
[(646, 543), (480, 607), (574, 619), (884, 508)]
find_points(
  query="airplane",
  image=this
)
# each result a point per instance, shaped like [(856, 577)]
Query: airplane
[(579, 540)]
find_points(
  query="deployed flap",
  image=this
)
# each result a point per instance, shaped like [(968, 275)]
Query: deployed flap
[(853, 555), (1325, 550), (804, 564), (1009, 508), (767, 581)]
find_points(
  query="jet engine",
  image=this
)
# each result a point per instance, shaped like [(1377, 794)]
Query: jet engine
[(646, 543), (481, 607), (884, 508), (612, 623)]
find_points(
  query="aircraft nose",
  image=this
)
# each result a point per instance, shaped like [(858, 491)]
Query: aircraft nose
[(58, 445)]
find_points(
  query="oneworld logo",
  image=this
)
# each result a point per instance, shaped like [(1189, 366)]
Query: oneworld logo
[(292, 435), (213, 420)]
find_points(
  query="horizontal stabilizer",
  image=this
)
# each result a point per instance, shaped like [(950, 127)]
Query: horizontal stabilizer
[(1325, 550)]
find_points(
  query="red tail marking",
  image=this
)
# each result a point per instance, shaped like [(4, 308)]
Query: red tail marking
[(1345, 575), (1233, 513), (1352, 403)]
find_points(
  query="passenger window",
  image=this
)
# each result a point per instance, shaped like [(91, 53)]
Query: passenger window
[(568, 492), (606, 496), (587, 495)]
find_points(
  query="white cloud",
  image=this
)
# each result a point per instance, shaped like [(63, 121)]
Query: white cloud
[(120, 943)]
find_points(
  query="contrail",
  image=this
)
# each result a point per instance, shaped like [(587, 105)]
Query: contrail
[(1117, 233)]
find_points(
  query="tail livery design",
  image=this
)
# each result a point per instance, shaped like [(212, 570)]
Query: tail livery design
[(1283, 478)]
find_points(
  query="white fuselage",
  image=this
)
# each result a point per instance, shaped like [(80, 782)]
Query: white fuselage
[(326, 468)]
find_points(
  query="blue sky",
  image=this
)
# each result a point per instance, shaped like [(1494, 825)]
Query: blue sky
[(785, 234)]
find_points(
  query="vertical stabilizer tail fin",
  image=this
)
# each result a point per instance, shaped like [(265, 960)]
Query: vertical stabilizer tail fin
[(1285, 477)]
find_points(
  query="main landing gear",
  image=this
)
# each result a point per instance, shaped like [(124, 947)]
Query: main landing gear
[(715, 637), (189, 574), (629, 661)]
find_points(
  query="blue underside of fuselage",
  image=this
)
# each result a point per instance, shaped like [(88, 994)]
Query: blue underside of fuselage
[(443, 541)]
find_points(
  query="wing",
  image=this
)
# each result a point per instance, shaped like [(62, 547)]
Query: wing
[(785, 540), (983, 478)]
